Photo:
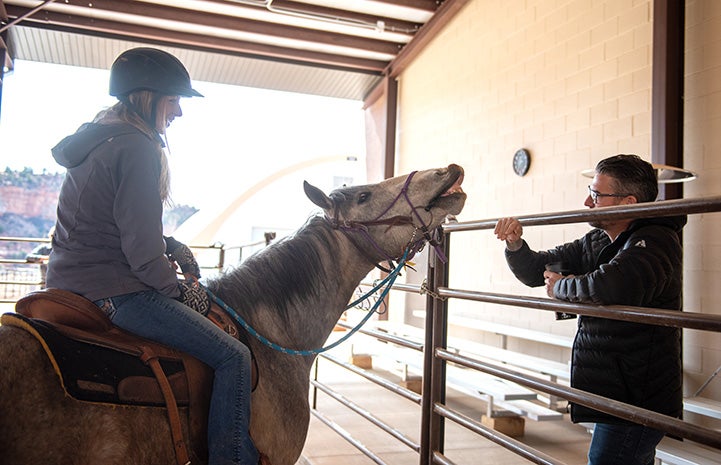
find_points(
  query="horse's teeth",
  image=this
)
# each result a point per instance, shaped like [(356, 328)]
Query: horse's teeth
[(453, 190)]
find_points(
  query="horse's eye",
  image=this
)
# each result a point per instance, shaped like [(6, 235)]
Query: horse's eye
[(363, 197)]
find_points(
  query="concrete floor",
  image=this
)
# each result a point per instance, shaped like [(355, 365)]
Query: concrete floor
[(561, 440)]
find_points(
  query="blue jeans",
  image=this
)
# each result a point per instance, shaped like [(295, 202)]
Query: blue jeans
[(153, 316), (623, 445)]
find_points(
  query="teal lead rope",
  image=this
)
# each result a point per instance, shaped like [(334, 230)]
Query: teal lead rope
[(388, 282)]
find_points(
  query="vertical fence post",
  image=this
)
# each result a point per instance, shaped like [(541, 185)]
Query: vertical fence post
[(221, 258), (434, 369)]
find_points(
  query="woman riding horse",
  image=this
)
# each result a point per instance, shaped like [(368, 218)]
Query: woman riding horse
[(292, 293), (109, 246)]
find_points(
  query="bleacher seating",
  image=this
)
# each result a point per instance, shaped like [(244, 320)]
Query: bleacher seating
[(503, 397), (674, 452)]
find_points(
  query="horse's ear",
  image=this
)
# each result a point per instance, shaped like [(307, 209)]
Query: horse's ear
[(317, 196)]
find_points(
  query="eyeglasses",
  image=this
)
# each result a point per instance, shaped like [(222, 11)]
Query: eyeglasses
[(595, 195)]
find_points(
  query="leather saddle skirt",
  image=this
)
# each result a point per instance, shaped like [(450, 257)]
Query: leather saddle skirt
[(101, 373), (100, 362)]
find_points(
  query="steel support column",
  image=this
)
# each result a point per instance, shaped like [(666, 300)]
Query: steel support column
[(667, 90)]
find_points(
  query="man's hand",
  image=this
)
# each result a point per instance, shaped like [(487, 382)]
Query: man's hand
[(550, 279), (509, 230)]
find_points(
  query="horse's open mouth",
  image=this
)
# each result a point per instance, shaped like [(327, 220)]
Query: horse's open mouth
[(452, 188)]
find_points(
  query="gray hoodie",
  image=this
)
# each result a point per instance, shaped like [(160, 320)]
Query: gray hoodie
[(108, 239)]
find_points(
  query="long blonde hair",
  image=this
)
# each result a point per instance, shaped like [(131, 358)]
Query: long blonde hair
[(138, 109)]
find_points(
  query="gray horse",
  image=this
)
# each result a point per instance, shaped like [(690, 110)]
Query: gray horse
[(293, 293)]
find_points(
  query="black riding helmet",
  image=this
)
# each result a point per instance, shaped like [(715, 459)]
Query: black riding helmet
[(151, 69)]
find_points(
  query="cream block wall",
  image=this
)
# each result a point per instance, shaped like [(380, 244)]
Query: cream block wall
[(571, 82), (702, 154)]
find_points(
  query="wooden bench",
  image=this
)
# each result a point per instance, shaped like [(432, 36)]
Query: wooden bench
[(506, 331), (703, 406), (674, 452), (530, 364), (504, 399), (556, 370), (394, 358)]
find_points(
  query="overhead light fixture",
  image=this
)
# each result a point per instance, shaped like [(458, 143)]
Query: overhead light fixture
[(666, 174), (378, 26)]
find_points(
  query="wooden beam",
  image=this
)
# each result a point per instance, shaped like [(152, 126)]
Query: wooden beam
[(667, 90), (3, 12), (5, 58), (194, 18), (427, 5), (124, 31), (391, 24), (6, 61), (3, 55), (389, 152)]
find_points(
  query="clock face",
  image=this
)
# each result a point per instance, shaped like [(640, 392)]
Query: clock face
[(521, 162)]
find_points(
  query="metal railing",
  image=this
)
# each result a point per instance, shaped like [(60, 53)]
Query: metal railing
[(20, 276), (434, 388), (434, 411)]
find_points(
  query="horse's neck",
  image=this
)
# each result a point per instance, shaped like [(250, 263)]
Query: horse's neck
[(344, 269), (309, 280)]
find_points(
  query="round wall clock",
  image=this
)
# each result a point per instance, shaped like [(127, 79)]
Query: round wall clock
[(521, 162)]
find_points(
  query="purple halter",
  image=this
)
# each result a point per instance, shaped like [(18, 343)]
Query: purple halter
[(414, 245)]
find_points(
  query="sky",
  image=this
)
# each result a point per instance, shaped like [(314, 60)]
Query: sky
[(223, 145)]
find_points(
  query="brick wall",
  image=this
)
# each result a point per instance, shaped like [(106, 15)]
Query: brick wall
[(702, 154)]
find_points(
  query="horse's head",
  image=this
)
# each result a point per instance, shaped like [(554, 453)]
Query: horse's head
[(395, 213)]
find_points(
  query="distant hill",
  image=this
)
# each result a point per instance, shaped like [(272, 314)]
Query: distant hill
[(28, 194), (27, 208), (28, 202)]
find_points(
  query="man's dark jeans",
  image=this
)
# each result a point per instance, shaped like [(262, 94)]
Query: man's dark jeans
[(623, 445)]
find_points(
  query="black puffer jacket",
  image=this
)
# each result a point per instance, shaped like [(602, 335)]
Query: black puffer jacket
[(630, 362)]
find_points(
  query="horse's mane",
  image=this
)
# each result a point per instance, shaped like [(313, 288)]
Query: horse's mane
[(291, 270)]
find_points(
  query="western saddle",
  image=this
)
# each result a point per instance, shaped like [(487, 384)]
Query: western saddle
[(79, 319)]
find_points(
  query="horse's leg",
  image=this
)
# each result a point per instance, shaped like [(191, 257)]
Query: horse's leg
[(39, 424)]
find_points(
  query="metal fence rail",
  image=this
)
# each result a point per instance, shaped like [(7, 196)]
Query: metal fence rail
[(20, 276), (437, 322)]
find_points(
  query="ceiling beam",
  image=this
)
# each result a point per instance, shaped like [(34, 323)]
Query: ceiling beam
[(124, 31), (667, 90), (6, 60), (195, 18), (391, 24), (427, 5)]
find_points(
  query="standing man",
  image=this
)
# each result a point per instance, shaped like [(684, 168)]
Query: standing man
[(635, 262)]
